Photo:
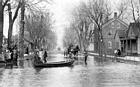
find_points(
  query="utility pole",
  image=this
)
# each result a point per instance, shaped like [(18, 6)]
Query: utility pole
[(21, 33)]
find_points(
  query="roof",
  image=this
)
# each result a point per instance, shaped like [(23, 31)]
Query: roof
[(135, 27), (114, 19)]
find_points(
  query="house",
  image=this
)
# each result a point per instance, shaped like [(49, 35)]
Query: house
[(131, 41), (112, 31)]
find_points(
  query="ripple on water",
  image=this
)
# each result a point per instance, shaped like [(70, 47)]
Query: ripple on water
[(94, 74)]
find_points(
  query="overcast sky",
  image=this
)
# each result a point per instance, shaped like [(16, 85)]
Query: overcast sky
[(61, 10)]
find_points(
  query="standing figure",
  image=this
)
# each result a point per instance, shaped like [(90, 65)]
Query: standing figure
[(15, 56), (7, 56), (45, 56), (76, 49), (119, 52), (27, 50), (37, 58), (86, 56), (41, 54)]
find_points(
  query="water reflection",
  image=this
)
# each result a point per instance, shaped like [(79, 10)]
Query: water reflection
[(96, 73)]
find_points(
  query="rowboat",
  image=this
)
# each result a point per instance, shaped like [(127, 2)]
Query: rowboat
[(55, 64), (2, 63)]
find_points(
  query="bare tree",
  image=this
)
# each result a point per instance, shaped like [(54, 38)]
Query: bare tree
[(129, 10), (95, 12), (39, 26), (32, 8), (70, 37), (21, 33), (133, 10), (81, 24), (12, 19), (122, 9), (2, 6)]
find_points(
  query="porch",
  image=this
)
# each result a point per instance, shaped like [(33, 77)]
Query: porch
[(129, 46)]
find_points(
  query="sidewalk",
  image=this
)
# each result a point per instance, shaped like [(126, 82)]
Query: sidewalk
[(127, 58)]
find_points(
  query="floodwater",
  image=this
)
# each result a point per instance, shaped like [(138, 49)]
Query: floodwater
[(93, 74)]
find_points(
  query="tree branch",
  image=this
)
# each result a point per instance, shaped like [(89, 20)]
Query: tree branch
[(133, 11), (16, 12), (5, 3)]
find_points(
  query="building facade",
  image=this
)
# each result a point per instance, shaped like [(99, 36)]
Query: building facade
[(131, 41), (112, 31)]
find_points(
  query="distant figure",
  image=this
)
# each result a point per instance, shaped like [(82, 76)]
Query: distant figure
[(45, 56), (65, 52), (7, 56), (119, 52), (41, 54), (86, 56), (75, 50), (115, 52), (37, 59), (14, 56), (69, 50), (27, 50)]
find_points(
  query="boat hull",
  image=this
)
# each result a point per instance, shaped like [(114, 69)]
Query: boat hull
[(55, 64)]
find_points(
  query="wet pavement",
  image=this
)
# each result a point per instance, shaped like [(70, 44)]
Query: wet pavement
[(96, 73)]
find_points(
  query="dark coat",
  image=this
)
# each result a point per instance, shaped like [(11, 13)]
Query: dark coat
[(45, 54)]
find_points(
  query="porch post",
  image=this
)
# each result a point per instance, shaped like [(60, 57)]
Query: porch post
[(126, 46), (131, 46), (137, 45), (123, 46)]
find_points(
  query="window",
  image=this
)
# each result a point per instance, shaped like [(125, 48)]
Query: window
[(109, 44)]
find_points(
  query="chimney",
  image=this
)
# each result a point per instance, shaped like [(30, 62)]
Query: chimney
[(115, 14)]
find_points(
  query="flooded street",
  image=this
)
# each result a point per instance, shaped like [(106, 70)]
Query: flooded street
[(92, 74)]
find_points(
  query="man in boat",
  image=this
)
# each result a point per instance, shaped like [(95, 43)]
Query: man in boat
[(45, 56), (15, 56), (7, 56), (70, 49), (41, 54), (37, 59)]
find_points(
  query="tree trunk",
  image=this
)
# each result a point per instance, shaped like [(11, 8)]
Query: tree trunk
[(10, 27), (21, 36), (1, 25), (10, 35), (11, 22)]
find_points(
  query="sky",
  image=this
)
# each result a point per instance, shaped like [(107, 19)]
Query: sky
[(61, 10), (61, 13)]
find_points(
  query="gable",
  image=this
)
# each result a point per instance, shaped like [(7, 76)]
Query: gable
[(131, 33), (113, 27), (114, 20), (134, 30)]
